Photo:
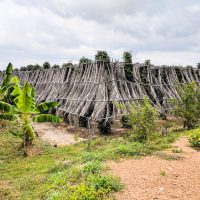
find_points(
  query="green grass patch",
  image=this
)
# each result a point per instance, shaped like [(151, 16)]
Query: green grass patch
[(71, 172)]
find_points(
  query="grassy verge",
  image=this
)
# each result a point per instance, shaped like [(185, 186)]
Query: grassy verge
[(71, 172)]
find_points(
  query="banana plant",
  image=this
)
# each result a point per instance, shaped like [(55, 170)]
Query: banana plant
[(8, 85), (6, 80), (25, 112)]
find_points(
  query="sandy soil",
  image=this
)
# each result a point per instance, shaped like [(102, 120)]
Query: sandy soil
[(144, 179), (56, 135)]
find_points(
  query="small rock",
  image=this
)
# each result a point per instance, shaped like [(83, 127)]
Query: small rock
[(170, 168), (161, 189)]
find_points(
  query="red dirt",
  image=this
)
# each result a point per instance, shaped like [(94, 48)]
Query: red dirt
[(144, 180)]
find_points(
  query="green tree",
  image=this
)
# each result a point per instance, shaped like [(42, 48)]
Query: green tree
[(65, 65), (46, 65), (127, 57), (23, 68), (26, 111), (55, 66), (8, 84), (187, 106), (85, 60), (102, 56)]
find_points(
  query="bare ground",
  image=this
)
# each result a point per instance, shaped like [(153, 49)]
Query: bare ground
[(58, 135), (155, 178)]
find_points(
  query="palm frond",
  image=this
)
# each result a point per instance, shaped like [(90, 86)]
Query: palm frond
[(24, 101), (47, 118), (8, 117), (6, 107), (45, 106)]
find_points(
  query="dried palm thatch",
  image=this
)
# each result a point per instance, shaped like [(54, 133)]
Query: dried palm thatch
[(86, 92)]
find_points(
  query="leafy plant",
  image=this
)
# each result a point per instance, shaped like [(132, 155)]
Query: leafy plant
[(127, 57), (142, 120), (23, 110), (6, 81), (187, 106), (194, 138)]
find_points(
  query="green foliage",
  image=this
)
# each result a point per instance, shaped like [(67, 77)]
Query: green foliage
[(187, 106), (163, 173), (24, 101), (46, 65), (55, 66), (194, 138), (24, 107), (142, 120), (176, 150), (127, 57), (45, 106), (47, 177), (6, 81), (85, 60), (102, 57), (65, 65), (144, 71), (47, 118), (92, 167)]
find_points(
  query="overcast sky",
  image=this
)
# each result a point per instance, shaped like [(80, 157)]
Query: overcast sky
[(165, 31)]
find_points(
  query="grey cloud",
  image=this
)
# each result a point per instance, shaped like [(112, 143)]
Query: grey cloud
[(58, 30)]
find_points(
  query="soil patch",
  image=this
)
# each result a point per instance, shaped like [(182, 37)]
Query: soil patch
[(56, 135), (153, 177)]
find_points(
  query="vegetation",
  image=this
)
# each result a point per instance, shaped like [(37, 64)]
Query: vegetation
[(142, 120), (46, 65), (102, 56), (127, 57), (6, 81), (70, 172), (25, 106), (188, 105), (85, 60), (194, 138)]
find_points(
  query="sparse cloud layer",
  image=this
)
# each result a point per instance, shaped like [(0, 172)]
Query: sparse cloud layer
[(165, 31)]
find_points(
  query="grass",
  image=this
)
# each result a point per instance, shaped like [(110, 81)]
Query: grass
[(71, 172), (163, 173)]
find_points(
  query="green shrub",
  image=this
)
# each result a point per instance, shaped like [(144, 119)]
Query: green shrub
[(92, 168), (194, 138), (188, 105), (142, 120)]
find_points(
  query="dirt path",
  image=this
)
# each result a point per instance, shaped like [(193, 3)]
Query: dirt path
[(56, 135), (145, 178)]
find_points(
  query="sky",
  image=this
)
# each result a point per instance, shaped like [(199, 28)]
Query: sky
[(59, 31)]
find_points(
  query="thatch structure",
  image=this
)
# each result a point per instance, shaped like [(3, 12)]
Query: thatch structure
[(87, 91)]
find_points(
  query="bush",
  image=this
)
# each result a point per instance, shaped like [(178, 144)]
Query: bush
[(195, 138), (188, 105), (142, 120)]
